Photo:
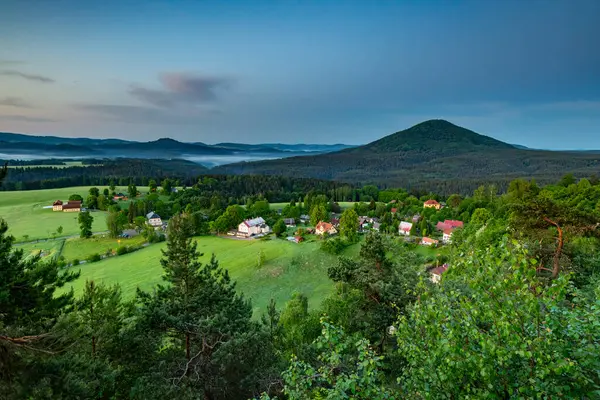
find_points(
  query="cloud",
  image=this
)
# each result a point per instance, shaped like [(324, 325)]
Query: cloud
[(181, 89), (30, 77), (22, 118), (11, 62), (14, 102), (144, 115)]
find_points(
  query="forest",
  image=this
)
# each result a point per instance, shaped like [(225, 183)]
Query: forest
[(516, 315)]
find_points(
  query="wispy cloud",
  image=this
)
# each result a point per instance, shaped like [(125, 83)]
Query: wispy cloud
[(15, 102), (23, 118), (144, 115), (181, 89), (30, 77)]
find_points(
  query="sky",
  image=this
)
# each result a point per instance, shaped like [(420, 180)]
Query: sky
[(522, 71)]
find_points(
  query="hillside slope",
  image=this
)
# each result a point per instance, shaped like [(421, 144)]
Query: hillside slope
[(433, 155)]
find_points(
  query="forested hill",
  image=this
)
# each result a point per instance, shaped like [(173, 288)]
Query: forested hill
[(435, 155)]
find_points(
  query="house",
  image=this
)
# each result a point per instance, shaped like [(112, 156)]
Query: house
[(426, 241), (154, 219), (289, 222), (432, 204), (304, 218), (335, 222), (376, 226), (448, 224), (416, 218), (393, 202), (447, 236), (252, 227), (404, 228), (436, 273), (394, 210), (119, 196), (71, 206), (325, 227), (57, 205), (295, 239)]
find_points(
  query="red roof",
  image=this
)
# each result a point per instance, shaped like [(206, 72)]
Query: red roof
[(429, 240), (394, 210), (453, 223), (439, 270), (72, 204), (448, 231), (432, 202), (57, 203), (324, 226)]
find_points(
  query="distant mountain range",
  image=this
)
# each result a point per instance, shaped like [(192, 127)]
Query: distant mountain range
[(22, 146), (434, 154)]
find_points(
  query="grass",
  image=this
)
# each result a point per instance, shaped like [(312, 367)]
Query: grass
[(25, 215), (49, 247), (288, 267), (81, 249)]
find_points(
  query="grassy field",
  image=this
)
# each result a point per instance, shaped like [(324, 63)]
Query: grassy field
[(82, 248), (24, 212), (287, 267), (49, 248)]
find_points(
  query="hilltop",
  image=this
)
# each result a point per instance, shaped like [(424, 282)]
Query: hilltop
[(433, 155)]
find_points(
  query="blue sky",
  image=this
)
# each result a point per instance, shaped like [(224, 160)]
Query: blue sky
[(522, 71)]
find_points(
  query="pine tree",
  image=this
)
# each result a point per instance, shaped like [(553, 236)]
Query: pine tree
[(216, 345)]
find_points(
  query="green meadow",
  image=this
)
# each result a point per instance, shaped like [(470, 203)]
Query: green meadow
[(28, 219), (285, 268), (76, 248)]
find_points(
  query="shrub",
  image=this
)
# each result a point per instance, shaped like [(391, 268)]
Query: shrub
[(75, 262), (123, 250), (94, 258), (334, 245)]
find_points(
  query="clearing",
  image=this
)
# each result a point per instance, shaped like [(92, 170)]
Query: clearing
[(81, 249), (287, 267)]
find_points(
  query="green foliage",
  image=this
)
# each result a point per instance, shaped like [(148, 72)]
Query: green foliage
[(279, 229), (75, 197), (349, 225), (334, 245), (85, 220), (346, 367), (480, 216), (317, 214), (94, 258), (494, 330), (115, 223)]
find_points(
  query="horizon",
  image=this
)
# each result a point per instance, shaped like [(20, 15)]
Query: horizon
[(327, 72)]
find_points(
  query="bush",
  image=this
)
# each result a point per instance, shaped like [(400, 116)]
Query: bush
[(334, 245), (156, 238), (94, 258), (123, 250), (75, 262)]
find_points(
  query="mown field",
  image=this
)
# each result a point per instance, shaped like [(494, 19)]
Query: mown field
[(48, 248), (80, 249), (25, 215), (287, 267)]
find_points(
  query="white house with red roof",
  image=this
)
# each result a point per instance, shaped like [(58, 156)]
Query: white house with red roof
[(427, 241), (432, 204), (404, 228)]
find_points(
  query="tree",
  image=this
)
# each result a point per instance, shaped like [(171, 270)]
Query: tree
[(106, 192), (59, 230), (94, 192), (85, 220), (166, 185), (30, 307), (140, 223), (3, 172), (112, 186), (132, 191), (349, 225), (346, 368), (220, 348), (260, 208), (494, 330), (92, 202), (279, 228), (152, 185), (115, 222), (317, 214), (131, 212), (75, 197), (480, 216)]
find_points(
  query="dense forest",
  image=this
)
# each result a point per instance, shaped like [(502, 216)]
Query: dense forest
[(514, 316), (434, 156)]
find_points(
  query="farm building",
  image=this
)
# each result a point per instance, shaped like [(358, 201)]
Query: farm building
[(57, 205), (251, 227), (71, 206), (290, 222), (436, 273)]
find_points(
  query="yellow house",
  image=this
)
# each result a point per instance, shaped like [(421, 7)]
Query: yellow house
[(432, 204)]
